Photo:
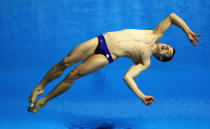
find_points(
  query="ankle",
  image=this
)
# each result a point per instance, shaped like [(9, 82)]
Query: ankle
[(44, 99), (40, 86)]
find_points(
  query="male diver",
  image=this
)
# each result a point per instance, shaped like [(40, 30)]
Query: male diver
[(138, 45)]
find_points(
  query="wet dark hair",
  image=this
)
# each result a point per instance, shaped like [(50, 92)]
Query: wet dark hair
[(166, 59)]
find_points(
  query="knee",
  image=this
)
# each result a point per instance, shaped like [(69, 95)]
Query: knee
[(73, 75), (67, 61)]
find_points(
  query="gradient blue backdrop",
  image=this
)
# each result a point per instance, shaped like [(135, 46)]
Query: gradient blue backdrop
[(36, 34)]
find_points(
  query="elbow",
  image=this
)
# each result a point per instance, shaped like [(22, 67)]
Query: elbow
[(171, 15), (126, 77)]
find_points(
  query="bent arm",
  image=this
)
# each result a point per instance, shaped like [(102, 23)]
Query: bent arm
[(168, 21), (176, 20), (131, 74)]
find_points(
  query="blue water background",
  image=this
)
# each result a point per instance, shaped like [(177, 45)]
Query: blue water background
[(36, 34)]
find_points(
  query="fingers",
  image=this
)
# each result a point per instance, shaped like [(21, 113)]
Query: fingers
[(149, 102), (151, 98), (194, 43), (193, 37), (198, 35), (197, 39), (195, 34)]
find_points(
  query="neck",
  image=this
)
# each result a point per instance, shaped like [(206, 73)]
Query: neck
[(154, 49)]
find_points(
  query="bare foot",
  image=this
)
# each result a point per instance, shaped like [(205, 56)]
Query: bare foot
[(39, 104), (38, 90)]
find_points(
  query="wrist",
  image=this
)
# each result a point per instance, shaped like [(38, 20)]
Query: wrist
[(142, 96)]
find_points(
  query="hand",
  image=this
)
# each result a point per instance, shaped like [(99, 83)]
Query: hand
[(147, 100), (192, 37)]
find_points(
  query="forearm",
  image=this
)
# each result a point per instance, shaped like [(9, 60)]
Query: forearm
[(176, 20), (133, 86)]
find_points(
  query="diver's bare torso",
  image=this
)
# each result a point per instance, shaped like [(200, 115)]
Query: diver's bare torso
[(131, 43)]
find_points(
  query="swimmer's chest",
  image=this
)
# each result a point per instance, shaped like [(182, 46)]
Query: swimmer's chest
[(130, 43), (138, 51)]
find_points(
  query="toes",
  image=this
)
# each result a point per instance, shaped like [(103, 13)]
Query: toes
[(32, 109), (36, 107)]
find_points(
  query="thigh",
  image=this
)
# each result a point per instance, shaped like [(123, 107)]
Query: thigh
[(83, 50), (92, 64)]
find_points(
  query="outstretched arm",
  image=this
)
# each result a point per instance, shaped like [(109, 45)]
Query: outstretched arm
[(176, 20), (129, 80)]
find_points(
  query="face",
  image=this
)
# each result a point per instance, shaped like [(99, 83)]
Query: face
[(165, 50)]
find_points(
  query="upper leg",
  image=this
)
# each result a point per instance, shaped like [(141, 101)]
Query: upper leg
[(82, 51), (90, 65)]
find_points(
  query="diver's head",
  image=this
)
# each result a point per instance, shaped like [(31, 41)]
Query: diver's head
[(163, 52)]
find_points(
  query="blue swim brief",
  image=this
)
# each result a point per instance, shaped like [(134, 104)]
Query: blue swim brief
[(102, 48)]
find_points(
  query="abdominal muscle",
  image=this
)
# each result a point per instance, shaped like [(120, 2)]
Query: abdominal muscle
[(130, 43)]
